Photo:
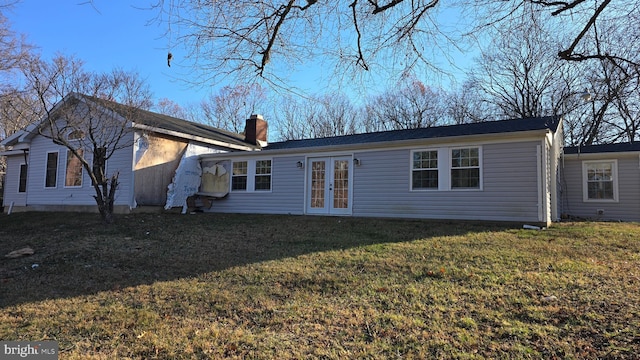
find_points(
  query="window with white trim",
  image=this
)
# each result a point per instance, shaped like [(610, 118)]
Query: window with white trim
[(239, 176), (424, 170), (22, 185), (73, 177), (600, 180), (51, 171), (263, 175), (465, 168)]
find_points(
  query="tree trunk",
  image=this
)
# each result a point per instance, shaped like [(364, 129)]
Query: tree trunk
[(105, 197)]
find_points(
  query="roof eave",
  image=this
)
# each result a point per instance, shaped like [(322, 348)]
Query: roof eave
[(193, 137), (530, 134)]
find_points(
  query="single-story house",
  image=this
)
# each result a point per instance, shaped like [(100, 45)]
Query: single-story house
[(510, 170), (499, 170), (40, 175)]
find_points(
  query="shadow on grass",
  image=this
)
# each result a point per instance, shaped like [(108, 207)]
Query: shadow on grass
[(75, 254)]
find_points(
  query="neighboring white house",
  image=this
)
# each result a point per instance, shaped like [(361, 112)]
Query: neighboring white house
[(40, 175)]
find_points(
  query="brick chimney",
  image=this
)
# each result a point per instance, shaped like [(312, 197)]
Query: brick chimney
[(255, 130)]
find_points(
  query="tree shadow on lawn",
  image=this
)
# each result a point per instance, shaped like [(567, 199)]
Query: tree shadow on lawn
[(76, 254)]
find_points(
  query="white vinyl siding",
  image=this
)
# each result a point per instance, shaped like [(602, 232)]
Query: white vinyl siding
[(120, 162), (572, 198), (286, 195), (382, 186)]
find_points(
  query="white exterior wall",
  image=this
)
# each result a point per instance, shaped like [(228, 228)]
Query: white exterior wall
[(286, 195), (381, 186), (12, 181), (509, 187), (627, 208), (61, 195)]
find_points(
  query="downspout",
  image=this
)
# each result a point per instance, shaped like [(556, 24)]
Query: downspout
[(26, 195)]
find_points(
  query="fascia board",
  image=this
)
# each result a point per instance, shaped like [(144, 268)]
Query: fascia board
[(191, 137), (534, 135)]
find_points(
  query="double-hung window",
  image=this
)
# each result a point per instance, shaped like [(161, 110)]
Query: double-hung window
[(73, 176), (465, 168), (239, 176), (22, 185), (251, 175), (424, 170), (600, 180), (51, 172), (263, 175)]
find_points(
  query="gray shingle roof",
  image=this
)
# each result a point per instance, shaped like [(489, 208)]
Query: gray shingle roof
[(170, 123), (604, 148), (491, 127)]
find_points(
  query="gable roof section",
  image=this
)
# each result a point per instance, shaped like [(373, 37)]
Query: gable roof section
[(151, 121), (173, 126), (604, 148), (483, 128)]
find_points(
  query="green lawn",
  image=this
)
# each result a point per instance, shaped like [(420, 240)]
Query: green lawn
[(206, 286)]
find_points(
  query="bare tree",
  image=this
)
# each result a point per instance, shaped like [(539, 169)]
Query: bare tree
[(410, 105), (81, 114), (518, 72), (467, 105), (316, 117), (169, 107), (230, 107), (579, 20), (245, 39)]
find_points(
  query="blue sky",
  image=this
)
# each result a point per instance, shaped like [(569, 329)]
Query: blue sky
[(113, 34), (121, 34)]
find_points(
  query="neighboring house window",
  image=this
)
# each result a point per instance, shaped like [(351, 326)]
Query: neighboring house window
[(22, 186), (74, 169), (239, 176), (52, 170), (424, 170), (465, 168), (600, 180), (263, 175)]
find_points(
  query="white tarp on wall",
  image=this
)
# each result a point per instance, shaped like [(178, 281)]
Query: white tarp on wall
[(186, 180)]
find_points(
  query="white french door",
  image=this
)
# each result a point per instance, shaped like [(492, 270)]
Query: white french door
[(329, 185)]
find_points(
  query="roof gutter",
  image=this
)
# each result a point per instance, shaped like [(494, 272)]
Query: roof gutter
[(194, 137)]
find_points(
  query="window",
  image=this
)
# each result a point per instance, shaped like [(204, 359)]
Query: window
[(465, 168), (22, 186), (74, 169), (263, 175), (600, 180), (424, 170), (239, 176), (51, 173)]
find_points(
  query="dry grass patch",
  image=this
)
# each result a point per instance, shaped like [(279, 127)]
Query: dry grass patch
[(262, 287)]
